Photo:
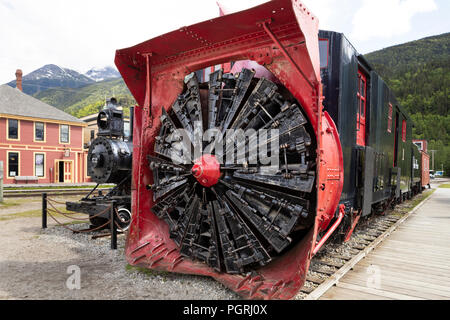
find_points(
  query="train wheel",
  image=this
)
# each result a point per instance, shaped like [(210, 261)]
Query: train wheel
[(124, 215), (234, 216)]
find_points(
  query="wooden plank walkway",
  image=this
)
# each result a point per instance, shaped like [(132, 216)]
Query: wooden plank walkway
[(412, 263)]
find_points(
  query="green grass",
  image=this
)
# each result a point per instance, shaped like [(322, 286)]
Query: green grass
[(6, 204), (420, 197), (75, 222), (37, 213), (145, 271), (23, 214), (11, 203), (411, 204), (445, 185)]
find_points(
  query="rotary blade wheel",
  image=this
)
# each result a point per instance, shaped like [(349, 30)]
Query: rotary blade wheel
[(240, 216)]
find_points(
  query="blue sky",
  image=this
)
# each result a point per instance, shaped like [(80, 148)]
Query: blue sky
[(85, 33)]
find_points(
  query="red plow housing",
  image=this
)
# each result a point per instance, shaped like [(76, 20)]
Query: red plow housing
[(282, 36)]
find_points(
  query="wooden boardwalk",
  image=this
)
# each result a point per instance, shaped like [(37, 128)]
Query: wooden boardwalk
[(412, 263)]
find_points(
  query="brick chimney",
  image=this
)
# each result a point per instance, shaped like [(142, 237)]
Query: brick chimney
[(19, 79)]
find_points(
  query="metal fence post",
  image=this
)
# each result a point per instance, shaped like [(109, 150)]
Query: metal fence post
[(44, 210), (113, 226)]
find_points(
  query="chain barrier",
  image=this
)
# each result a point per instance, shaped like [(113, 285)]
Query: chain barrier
[(114, 217), (119, 227), (73, 230), (90, 217), (55, 201)]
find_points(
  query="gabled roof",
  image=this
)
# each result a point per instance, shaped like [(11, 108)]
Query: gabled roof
[(16, 103)]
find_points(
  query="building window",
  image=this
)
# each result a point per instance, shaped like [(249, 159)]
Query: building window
[(323, 52), (404, 130), (126, 130), (13, 129), (64, 133), (361, 94), (13, 164), (419, 145), (361, 109), (39, 164), (389, 127), (39, 131)]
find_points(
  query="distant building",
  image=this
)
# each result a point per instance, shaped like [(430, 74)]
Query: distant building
[(90, 131), (39, 143), (422, 144)]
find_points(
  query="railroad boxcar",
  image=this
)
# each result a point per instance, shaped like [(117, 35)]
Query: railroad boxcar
[(425, 169), (374, 130), (342, 155), (424, 161)]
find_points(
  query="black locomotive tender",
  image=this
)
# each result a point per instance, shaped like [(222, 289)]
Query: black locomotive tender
[(109, 161)]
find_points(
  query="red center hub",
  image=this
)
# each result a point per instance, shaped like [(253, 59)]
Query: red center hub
[(206, 170)]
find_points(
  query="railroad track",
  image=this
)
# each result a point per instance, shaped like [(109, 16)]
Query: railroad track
[(335, 260), (50, 192)]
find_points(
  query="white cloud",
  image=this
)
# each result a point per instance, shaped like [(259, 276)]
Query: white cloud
[(324, 10), (387, 18), (85, 33)]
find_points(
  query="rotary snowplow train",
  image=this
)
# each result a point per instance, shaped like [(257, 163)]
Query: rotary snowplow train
[(345, 147)]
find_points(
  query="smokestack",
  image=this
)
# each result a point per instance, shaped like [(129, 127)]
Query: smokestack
[(19, 79)]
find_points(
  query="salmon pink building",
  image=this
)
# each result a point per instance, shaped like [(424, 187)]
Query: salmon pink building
[(39, 143)]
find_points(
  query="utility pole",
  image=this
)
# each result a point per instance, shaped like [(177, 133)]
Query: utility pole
[(432, 158)]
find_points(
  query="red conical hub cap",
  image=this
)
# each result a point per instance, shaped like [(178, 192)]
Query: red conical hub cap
[(206, 170)]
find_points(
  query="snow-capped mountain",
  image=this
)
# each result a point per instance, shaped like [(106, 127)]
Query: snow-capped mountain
[(52, 76), (101, 74), (52, 71)]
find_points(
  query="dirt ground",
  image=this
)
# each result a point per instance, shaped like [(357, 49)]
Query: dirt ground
[(36, 263)]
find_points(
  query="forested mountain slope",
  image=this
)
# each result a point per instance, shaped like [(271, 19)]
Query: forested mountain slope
[(419, 74)]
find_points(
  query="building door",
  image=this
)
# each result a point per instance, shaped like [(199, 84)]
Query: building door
[(361, 109), (63, 171), (68, 171), (56, 168)]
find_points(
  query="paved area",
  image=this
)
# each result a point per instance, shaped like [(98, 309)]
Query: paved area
[(412, 263)]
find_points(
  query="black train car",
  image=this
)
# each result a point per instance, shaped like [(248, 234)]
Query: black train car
[(375, 131)]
